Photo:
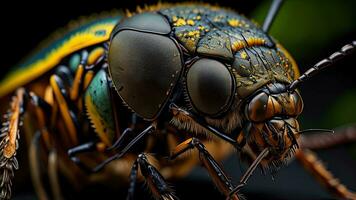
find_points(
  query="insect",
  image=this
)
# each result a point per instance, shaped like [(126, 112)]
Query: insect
[(167, 79)]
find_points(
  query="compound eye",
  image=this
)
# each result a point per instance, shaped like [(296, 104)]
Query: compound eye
[(210, 87), (298, 103), (144, 68), (258, 109)]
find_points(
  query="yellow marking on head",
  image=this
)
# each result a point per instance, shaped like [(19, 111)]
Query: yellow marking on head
[(161, 5), (195, 33), (253, 41), (243, 55), (190, 22), (138, 9), (76, 42), (180, 22), (291, 59), (128, 13), (237, 45), (174, 18), (94, 118), (216, 19), (233, 22)]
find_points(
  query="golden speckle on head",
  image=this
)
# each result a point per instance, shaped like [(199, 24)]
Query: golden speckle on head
[(233, 22), (195, 33), (243, 55), (180, 22), (174, 18), (138, 9), (237, 45), (217, 19), (190, 22), (252, 41), (128, 13)]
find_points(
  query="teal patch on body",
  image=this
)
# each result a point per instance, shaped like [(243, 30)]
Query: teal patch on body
[(99, 93)]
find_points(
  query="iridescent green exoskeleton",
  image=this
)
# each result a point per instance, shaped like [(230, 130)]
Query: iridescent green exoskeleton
[(164, 80)]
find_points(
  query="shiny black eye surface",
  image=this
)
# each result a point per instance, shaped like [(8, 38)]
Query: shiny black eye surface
[(210, 87), (144, 67)]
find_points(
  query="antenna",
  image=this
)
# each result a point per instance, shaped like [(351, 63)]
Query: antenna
[(327, 62), (272, 12)]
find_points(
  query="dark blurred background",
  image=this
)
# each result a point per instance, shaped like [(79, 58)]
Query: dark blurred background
[(310, 30)]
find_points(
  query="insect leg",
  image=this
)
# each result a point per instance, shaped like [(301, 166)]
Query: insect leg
[(85, 71), (221, 181), (9, 142), (128, 131), (35, 167), (310, 161), (65, 74), (180, 111), (122, 152), (119, 142), (62, 98), (95, 146), (160, 189), (86, 147), (53, 168), (249, 171), (74, 90), (43, 111), (10, 135), (133, 177)]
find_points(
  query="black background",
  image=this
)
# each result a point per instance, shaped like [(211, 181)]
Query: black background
[(25, 24)]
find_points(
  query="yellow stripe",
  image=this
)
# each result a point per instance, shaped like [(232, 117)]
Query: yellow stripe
[(76, 42)]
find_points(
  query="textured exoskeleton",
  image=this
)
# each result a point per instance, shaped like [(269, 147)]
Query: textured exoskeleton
[(164, 80)]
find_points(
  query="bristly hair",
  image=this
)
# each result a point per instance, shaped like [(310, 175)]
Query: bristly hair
[(7, 165), (183, 122), (274, 166), (231, 120)]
